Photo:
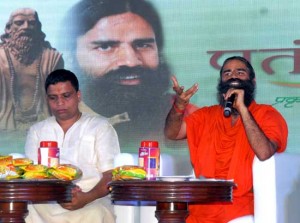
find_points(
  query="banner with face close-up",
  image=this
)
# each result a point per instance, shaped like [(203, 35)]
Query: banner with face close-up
[(125, 54)]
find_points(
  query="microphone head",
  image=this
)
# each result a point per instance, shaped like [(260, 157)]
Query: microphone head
[(228, 105), (227, 112)]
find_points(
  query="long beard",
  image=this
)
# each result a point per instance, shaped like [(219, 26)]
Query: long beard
[(24, 47), (146, 104), (106, 97), (247, 85)]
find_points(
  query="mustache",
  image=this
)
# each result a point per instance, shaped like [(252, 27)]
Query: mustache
[(127, 73), (23, 32), (236, 83), (247, 85), (108, 97)]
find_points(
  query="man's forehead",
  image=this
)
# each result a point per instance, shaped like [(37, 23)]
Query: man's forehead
[(123, 17), (23, 13), (60, 88), (125, 21), (23, 17), (237, 64), (125, 27)]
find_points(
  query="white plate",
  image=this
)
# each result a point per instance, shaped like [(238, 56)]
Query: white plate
[(208, 179), (173, 178), (203, 179)]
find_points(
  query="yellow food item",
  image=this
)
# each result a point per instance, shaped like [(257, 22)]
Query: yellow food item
[(33, 171), (65, 172), (22, 162), (11, 177), (67, 169), (35, 175), (25, 169), (3, 169), (59, 175), (34, 168), (129, 172), (9, 172), (5, 160)]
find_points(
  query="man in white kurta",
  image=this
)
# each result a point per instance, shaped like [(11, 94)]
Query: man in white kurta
[(91, 144)]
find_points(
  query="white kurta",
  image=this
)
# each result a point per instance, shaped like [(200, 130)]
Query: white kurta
[(90, 144)]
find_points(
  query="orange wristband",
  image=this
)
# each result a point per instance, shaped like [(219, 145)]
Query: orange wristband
[(178, 110)]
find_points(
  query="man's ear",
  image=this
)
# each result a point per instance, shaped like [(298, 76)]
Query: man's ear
[(79, 95)]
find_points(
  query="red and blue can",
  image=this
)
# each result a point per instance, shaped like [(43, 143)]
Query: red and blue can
[(149, 158), (48, 153)]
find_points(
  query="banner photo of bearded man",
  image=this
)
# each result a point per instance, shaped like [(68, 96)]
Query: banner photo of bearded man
[(125, 54)]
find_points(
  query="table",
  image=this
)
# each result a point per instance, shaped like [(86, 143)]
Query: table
[(172, 197), (16, 194)]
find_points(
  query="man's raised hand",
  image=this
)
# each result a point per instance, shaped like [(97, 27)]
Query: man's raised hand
[(183, 97)]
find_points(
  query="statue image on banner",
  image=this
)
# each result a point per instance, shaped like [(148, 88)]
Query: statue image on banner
[(116, 48), (26, 58)]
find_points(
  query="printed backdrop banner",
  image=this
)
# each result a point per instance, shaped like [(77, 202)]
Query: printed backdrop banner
[(198, 36)]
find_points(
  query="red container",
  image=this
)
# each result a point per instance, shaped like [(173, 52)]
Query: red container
[(48, 153), (149, 158)]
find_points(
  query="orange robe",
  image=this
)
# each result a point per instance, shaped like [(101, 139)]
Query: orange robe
[(219, 150)]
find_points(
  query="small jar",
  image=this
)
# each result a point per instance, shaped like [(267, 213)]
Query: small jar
[(149, 158), (48, 153)]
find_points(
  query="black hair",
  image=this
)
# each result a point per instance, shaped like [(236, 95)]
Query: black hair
[(85, 14), (243, 60), (62, 75)]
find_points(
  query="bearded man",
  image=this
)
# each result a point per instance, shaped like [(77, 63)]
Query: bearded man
[(25, 60), (116, 47), (223, 146)]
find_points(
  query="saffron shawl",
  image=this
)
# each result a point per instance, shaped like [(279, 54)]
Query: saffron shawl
[(209, 133)]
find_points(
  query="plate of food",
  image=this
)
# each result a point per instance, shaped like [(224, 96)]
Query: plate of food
[(129, 172), (25, 169)]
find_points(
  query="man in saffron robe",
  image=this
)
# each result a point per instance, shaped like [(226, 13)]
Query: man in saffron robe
[(224, 147)]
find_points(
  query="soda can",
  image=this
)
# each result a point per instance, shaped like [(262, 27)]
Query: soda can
[(48, 153), (149, 158)]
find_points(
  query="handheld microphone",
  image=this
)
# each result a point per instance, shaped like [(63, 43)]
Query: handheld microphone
[(228, 105)]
